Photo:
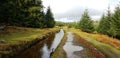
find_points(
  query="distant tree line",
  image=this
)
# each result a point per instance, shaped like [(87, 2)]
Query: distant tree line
[(60, 24), (25, 13), (69, 24)]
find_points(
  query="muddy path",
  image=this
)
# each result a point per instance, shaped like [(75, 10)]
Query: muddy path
[(72, 46), (85, 53), (94, 52), (72, 50)]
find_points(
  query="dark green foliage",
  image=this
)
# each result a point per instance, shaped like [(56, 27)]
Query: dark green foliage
[(6, 14), (49, 18), (105, 24), (116, 23), (110, 24), (72, 24), (96, 23), (24, 13), (69, 24), (86, 24), (60, 24), (102, 25)]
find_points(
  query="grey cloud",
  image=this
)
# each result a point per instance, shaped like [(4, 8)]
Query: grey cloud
[(77, 12)]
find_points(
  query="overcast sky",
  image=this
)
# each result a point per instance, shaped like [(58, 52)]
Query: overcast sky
[(71, 10)]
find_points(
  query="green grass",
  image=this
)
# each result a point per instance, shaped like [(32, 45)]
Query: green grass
[(108, 50), (23, 34), (14, 37), (0, 56), (19, 35)]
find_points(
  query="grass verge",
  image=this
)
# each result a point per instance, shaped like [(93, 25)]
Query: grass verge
[(17, 34), (14, 39), (109, 50)]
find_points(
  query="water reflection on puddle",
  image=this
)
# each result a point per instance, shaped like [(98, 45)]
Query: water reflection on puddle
[(70, 48), (45, 51)]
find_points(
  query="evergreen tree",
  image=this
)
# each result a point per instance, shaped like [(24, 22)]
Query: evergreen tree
[(105, 24), (24, 13), (36, 15), (7, 11), (108, 22), (116, 22), (49, 18), (102, 27), (86, 24)]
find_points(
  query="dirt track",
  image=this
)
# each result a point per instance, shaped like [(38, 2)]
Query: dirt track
[(95, 53), (89, 50)]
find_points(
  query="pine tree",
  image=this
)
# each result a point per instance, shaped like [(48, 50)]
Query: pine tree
[(102, 27), (49, 18), (22, 13), (7, 11), (105, 24), (116, 22), (108, 22), (36, 14), (86, 24)]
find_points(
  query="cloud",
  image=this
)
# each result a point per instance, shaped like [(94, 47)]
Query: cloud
[(73, 9), (76, 13)]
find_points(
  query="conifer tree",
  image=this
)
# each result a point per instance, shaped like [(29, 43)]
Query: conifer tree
[(49, 18), (108, 22), (102, 27), (86, 24), (105, 24), (116, 22), (24, 13)]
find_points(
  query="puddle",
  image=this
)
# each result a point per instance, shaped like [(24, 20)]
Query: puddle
[(70, 48), (58, 37), (46, 53), (57, 40)]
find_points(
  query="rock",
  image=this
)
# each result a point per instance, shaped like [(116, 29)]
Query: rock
[(2, 41), (2, 27)]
